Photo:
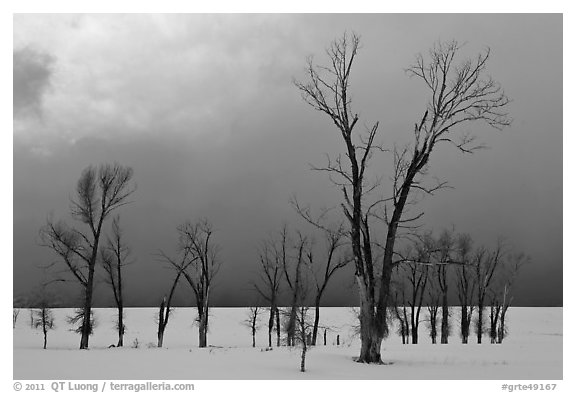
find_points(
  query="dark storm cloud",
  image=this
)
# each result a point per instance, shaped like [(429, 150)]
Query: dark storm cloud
[(32, 72), (203, 108)]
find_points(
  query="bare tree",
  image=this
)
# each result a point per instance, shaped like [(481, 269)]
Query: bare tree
[(512, 267), (199, 264), (495, 309), (444, 259), (99, 192), (114, 258), (165, 309), (43, 301), (252, 321), (268, 287), (332, 259), (302, 337), (44, 318), (18, 303), (434, 295), (77, 321), (400, 312), (327, 91), (417, 272), (485, 264), (465, 284), (460, 94), (15, 313), (295, 280)]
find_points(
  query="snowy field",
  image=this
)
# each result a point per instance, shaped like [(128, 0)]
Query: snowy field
[(532, 351)]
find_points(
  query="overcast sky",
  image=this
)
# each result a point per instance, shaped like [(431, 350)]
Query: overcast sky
[(204, 110)]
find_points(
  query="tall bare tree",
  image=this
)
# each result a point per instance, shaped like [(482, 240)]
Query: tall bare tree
[(114, 258), (199, 264), (99, 192), (459, 94)]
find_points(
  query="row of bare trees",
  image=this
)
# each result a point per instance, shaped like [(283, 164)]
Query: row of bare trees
[(297, 265), (99, 193), (460, 94), (436, 267)]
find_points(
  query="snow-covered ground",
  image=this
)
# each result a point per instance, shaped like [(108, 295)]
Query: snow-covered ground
[(532, 351)]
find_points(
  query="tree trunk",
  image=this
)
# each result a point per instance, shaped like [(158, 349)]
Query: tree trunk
[(414, 334), (502, 325), (120, 326), (253, 337), (202, 330), (44, 329), (161, 322), (120, 307), (292, 324), (324, 337), (480, 323), (270, 326), (433, 331), (371, 340), (316, 322), (463, 323), (445, 314), (277, 327), (160, 336), (86, 322), (303, 357)]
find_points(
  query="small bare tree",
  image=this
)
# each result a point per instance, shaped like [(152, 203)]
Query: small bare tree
[(165, 309), (417, 271), (512, 267), (99, 192), (15, 313), (485, 264), (303, 336), (18, 303), (252, 320), (332, 259), (495, 309), (199, 265), (77, 321), (44, 318), (43, 301), (114, 258), (268, 287), (294, 276), (401, 314)]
